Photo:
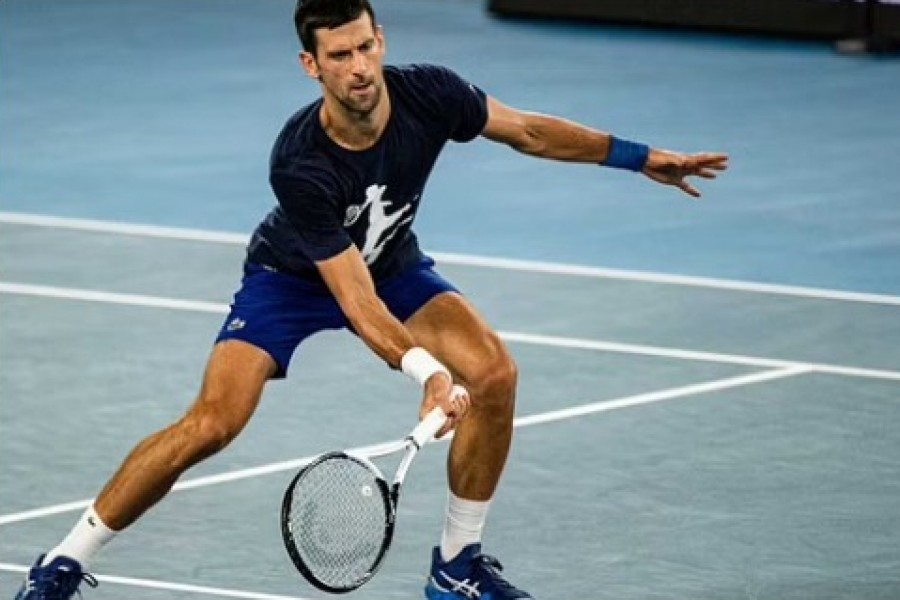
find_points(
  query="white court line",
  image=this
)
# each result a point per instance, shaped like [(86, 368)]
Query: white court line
[(524, 338), (698, 355), (376, 449), (665, 278), (658, 396), (173, 587), (201, 235), (151, 231), (46, 291)]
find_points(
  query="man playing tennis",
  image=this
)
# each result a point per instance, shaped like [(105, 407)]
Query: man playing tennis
[(338, 251)]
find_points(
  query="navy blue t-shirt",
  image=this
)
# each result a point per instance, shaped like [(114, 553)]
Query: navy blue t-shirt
[(330, 197)]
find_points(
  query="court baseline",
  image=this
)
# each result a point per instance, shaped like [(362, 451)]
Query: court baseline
[(65, 293), (166, 585), (221, 237)]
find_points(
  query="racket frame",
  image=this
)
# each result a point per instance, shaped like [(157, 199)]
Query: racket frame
[(417, 438), (387, 495)]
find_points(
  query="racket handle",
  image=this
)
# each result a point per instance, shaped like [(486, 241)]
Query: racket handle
[(432, 422), (429, 426)]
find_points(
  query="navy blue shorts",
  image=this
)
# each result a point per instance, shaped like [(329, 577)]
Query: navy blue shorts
[(276, 311)]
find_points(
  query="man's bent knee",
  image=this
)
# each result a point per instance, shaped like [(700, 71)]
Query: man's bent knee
[(205, 433), (493, 388)]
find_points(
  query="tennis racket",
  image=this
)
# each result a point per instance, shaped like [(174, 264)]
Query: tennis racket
[(338, 513)]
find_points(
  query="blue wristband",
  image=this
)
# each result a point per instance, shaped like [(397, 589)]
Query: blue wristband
[(626, 155)]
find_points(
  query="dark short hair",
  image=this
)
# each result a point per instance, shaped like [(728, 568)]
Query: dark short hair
[(316, 14)]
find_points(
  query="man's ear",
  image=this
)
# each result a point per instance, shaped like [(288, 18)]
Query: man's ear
[(309, 64), (379, 35)]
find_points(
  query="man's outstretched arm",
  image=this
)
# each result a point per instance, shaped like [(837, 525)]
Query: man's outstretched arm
[(560, 139)]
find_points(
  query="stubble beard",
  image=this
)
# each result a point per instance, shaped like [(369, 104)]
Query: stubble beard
[(360, 109)]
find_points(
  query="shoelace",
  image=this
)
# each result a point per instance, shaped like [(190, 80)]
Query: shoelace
[(90, 580), (492, 567)]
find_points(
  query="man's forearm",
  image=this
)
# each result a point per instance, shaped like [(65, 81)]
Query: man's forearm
[(560, 139), (379, 330)]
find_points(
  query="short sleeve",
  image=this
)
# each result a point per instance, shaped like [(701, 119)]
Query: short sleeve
[(462, 103), (312, 208)]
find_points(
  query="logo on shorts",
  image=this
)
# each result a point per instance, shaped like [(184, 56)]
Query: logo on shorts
[(235, 324), (91, 522)]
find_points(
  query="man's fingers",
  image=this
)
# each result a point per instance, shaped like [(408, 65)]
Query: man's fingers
[(447, 428), (689, 189), (714, 161), (673, 168), (711, 157), (459, 402), (456, 407), (699, 163)]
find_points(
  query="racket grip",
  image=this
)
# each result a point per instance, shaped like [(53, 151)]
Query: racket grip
[(432, 422), (429, 426)]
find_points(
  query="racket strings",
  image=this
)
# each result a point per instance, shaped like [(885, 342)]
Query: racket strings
[(338, 520)]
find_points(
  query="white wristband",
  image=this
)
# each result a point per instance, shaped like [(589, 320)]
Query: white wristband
[(419, 365)]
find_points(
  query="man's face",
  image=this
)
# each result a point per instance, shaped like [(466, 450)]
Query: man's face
[(348, 63)]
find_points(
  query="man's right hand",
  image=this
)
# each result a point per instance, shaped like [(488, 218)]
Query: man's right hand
[(454, 400)]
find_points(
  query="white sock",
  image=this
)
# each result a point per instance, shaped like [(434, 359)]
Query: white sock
[(88, 536), (463, 525)]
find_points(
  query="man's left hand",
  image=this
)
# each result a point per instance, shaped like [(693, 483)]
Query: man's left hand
[(671, 168)]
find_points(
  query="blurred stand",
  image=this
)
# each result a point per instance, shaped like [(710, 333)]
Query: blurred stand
[(855, 26), (878, 31)]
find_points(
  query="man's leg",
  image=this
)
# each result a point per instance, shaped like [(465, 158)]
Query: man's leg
[(232, 386), (235, 376), (450, 328)]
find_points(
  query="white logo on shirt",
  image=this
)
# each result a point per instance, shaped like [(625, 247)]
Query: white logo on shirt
[(353, 213), (382, 226)]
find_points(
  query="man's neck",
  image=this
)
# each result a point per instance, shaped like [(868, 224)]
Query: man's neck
[(352, 130)]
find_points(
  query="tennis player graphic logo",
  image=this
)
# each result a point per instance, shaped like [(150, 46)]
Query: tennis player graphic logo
[(382, 226)]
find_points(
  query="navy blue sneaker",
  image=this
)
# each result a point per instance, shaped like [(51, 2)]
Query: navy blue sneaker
[(470, 576), (57, 581)]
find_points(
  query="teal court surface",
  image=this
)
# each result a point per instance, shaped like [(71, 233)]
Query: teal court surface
[(674, 439), (709, 402)]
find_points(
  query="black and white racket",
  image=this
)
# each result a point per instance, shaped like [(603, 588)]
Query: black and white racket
[(338, 513)]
